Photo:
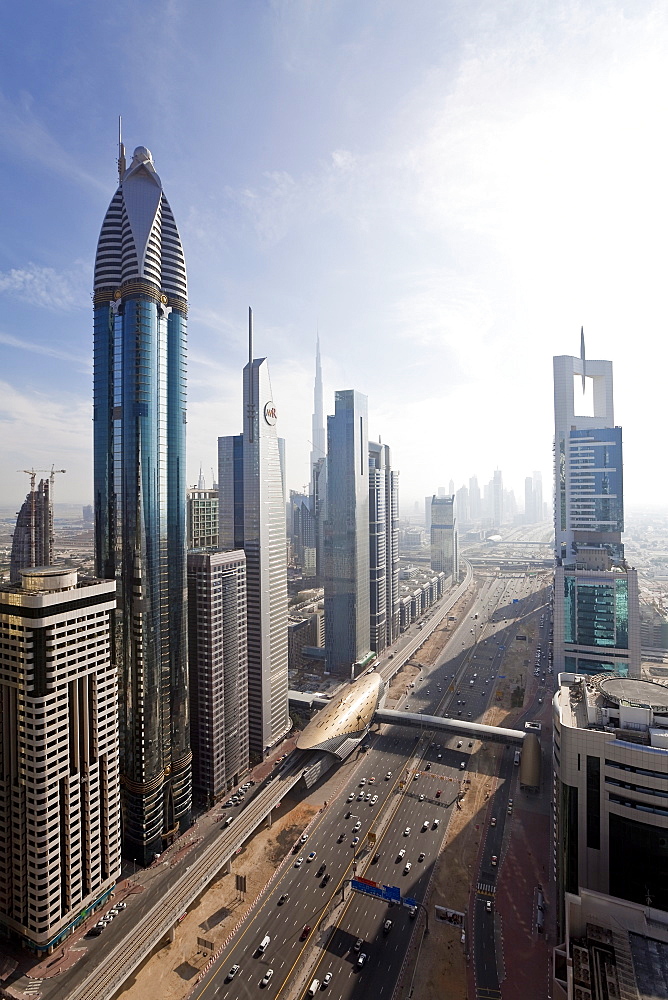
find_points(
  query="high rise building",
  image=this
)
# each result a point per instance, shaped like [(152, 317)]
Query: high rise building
[(346, 536), (302, 532), (202, 518), (462, 506), (497, 499), (537, 486), (318, 436), (32, 544), (474, 499), (427, 515), (444, 542), (383, 548), (139, 432), (59, 776), (611, 782), (218, 670), (528, 500), (252, 517), (596, 604)]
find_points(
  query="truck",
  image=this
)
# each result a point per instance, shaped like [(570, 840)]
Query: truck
[(517, 758)]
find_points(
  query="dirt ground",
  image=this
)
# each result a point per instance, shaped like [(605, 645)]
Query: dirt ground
[(170, 972)]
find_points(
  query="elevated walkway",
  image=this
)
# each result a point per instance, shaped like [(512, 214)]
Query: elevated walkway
[(456, 727)]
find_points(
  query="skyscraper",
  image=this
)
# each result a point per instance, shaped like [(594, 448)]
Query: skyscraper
[(596, 606), (497, 498), (252, 516), (444, 542), (32, 544), (139, 432), (59, 776), (383, 547), (318, 436), (346, 536), (202, 517), (218, 670)]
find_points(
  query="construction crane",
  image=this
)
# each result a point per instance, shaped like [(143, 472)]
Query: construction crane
[(33, 526)]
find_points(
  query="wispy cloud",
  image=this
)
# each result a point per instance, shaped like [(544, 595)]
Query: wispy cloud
[(40, 429), (24, 134), (44, 349), (48, 288)]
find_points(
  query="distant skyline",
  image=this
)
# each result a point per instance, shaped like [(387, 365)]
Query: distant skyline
[(443, 192)]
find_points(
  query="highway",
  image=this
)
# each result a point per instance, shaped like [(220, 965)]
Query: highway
[(336, 919)]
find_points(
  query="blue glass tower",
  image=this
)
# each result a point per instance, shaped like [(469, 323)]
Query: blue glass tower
[(140, 308)]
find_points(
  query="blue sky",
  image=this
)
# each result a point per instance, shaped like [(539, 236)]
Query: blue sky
[(445, 189)]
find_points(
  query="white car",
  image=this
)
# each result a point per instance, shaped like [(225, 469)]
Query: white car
[(362, 782), (401, 853), (421, 798), (299, 862), (374, 799), (328, 978), (425, 825), (407, 831), (351, 797), (407, 867), (267, 976), (358, 826)]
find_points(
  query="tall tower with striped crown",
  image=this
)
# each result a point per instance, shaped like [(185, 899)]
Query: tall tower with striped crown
[(140, 309)]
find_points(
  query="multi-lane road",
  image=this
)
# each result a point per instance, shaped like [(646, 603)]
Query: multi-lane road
[(314, 930)]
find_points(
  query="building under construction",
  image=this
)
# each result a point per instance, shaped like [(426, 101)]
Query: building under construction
[(33, 536)]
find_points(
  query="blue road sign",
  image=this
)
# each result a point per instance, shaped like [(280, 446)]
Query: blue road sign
[(409, 902), (388, 893)]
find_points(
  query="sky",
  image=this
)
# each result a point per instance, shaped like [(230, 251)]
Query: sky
[(444, 190)]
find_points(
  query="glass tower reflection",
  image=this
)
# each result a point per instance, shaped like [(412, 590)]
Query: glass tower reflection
[(140, 309)]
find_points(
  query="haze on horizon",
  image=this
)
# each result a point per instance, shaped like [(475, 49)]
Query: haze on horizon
[(445, 192)]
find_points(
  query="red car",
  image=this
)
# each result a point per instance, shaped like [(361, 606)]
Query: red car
[(438, 794), (305, 933)]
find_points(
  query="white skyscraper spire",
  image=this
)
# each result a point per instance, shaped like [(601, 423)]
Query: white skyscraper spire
[(318, 439)]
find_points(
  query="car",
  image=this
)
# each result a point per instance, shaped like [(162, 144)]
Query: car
[(387, 927), (232, 973), (412, 912), (401, 853), (469, 714), (325, 880), (303, 838), (470, 745), (371, 781), (421, 798), (388, 776), (440, 755), (510, 802), (495, 860), (510, 809), (374, 799), (438, 793), (459, 744), (435, 824), (299, 862), (407, 867), (415, 777), (267, 976), (341, 837), (306, 930), (375, 859), (360, 797), (320, 871), (362, 782), (358, 826), (407, 831), (425, 825), (358, 945), (354, 842), (368, 796), (421, 856), (351, 797), (361, 960), (492, 821), (310, 857), (348, 814), (327, 980), (462, 765), (488, 906), (282, 898)]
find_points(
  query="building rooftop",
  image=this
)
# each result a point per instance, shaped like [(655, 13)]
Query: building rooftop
[(632, 709)]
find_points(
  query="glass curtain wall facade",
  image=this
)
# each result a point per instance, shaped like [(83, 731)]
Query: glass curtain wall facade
[(346, 535), (139, 429), (32, 544), (252, 517)]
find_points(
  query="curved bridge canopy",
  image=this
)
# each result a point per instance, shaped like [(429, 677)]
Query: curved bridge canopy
[(346, 719)]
